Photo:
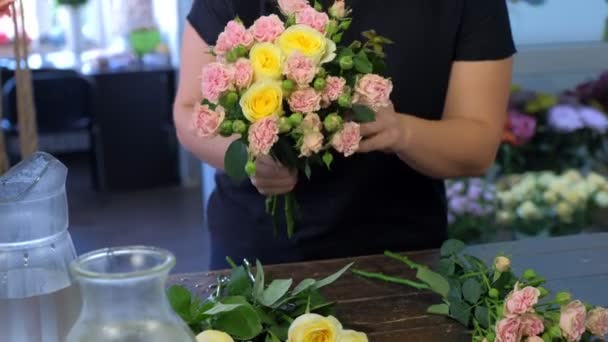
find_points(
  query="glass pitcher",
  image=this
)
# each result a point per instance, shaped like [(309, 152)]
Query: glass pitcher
[(37, 300), (124, 297)]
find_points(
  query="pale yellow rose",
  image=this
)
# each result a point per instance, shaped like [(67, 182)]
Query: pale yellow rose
[(573, 176), (213, 336), (314, 328), (352, 336), (574, 197), (564, 211), (308, 42), (506, 198), (529, 211), (267, 61), (263, 99), (551, 197)]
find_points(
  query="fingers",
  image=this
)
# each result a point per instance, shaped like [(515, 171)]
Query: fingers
[(275, 186), (267, 167), (376, 142), (370, 128)]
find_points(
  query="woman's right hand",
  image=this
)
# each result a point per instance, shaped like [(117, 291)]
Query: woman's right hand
[(272, 178)]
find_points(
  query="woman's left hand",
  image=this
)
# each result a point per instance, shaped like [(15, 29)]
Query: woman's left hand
[(387, 133)]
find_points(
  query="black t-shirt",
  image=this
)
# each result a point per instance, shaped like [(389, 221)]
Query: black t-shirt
[(368, 202)]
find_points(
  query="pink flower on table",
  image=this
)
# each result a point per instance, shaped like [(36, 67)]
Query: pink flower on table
[(333, 89), (532, 325), (522, 126), (597, 322), (234, 34), (243, 73), (263, 134), (300, 69), (521, 301), (305, 101), (311, 143), (373, 90), (207, 121), (572, 321), (311, 123), (267, 28), (534, 339), (347, 140), (509, 330), (313, 18), (216, 78), (289, 7)]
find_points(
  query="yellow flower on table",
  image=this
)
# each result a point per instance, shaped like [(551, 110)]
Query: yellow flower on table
[(308, 42), (314, 328), (267, 61), (263, 99), (213, 336)]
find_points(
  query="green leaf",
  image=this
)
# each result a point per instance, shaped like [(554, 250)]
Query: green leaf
[(437, 283), (180, 299), (452, 247), (303, 286), (239, 285), (481, 315), (337, 38), (219, 308), (280, 331), (362, 63), (270, 337), (447, 267), (243, 322), (471, 290), (275, 291), (346, 52), (328, 158), (363, 113), (332, 278), (235, 160), (461, 312), (439, 309), (455, 293), (476, 262), (258, 287)]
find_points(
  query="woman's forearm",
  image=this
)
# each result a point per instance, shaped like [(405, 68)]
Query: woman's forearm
[(448, 148)]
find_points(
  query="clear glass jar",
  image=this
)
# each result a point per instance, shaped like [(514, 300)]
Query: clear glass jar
[(124, 297)]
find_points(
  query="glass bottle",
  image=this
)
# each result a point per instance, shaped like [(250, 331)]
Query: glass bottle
[(38, 302), (124, 297)]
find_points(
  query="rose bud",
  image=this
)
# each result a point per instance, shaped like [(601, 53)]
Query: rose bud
[(295, 119), (332, 123), (250, 168), (288, 85), (563, 298), (226, 128), (239, 127), (346, 63), (529, 274), (284, 125), (502, 264), (319, 84), (345, 100)]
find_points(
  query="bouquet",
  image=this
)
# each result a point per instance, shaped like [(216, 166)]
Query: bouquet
[(287, 89), (498, 305), (471, 208), (534, 202), (247, 307)]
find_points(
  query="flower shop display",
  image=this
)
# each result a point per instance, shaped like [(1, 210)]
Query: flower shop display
[(471, 208), (545, 202), (248, 307), (288, 90), (498, 305)]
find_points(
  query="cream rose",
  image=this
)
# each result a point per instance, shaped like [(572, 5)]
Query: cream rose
[(314, 328), (213, 336)]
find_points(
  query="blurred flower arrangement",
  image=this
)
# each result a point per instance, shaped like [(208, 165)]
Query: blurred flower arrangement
[(471, 208), (540, 124)]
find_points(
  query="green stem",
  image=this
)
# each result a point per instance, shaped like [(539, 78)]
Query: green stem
[(389, 279), (231, 262), (469, 275), (403, 259), (289, 214)]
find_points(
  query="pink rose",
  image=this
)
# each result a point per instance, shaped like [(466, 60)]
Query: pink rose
[(373, 90), (311, 123), (243, 73), (267, 28), (305, 101), (234, 34), (207, 121), (333, 89), (311, 143), (509, 330), (572, 321), (534, 339), (597, 322), (300, 69), (521, 301), (532, 325), (289, 7), (263, 135), (313, 18), (347, 140), (338, 9), (216, 78)]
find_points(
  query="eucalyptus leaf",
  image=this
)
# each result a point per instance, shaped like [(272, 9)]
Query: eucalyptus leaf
[(235, 160), (471, 290), (452, 247), (275, 291), (436, 282), (332, 278), (239, 285), (303, 286), (447, 267), (455, 293), (439, 309)]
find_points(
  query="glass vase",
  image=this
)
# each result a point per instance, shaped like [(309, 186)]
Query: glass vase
[(124, 297)]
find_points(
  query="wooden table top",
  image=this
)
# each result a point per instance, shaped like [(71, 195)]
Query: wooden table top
[(390, 313)]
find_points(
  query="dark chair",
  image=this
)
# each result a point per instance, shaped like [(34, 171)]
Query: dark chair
[(64, 105)]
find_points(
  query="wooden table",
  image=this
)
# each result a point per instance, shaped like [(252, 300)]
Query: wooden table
[(392, 313)]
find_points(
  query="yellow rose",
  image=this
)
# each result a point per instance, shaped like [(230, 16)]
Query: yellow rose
[(314, 328), (267, 61), (565, 212), (213, 336), (261, 100), (352, 336), (550, 197), (307, 41)]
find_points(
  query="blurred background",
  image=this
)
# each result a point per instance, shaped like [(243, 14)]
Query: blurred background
[(131, 183)]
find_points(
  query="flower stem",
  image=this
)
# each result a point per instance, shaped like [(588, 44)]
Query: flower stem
[(402, 259), (389, 279)]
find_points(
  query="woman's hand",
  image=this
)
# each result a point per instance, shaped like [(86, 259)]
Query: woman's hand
[(387, 133), (272, 178)]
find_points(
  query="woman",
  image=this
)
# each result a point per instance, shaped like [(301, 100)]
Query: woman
[(451, 67)]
